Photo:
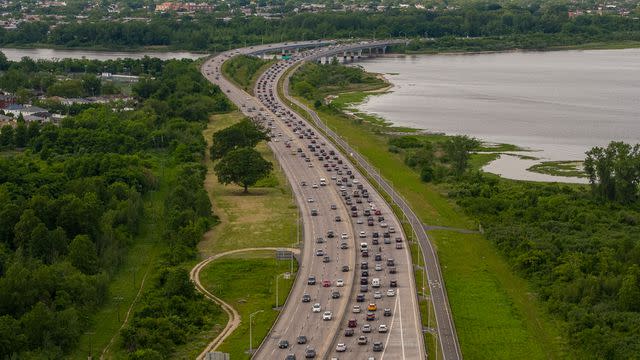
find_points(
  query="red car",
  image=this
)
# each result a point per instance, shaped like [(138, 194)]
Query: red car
[(326, 283)]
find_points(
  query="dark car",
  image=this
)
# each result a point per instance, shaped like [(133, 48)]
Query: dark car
[(335, 295), (330, 234), (364, 273), (364, 265), (302, 339), (392, 270), (360, 298), (352, 323), (393, 283), (345, 268), (377, 346), (306, 298), (364, 281), (387, 241), (283, 344), (311, 280), (387, 312), (310, 352), (290, 357)]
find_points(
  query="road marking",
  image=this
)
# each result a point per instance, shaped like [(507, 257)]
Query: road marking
[(395, 307)]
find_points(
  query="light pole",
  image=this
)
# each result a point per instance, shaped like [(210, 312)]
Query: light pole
[(277, 299), (251, 330)]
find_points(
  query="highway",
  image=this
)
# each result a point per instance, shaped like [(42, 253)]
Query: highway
[(307, 157)]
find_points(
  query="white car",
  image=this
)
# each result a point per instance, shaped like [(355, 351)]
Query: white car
[(341, 347), (363, 234), (339, 283), (377, 295), (382, 328), (356, 309), (327, 315), (378, 267), (391, 292), (315, 186), (310, 200), (344, 236), (316, 308), (383, 225), (359, 221)]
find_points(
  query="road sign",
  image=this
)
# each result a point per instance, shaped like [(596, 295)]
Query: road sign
[(217, 355), (282, 254)]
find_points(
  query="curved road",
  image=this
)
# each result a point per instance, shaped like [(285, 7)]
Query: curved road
[(290, 132)]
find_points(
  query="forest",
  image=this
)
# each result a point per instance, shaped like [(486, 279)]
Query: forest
[(72, 201), (208, 33)]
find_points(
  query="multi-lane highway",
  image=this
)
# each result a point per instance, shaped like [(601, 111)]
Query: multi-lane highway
[(333, 197)]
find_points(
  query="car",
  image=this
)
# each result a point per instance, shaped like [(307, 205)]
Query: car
[(302, 339), (372, 307), (315, 186), (344, 246), (363, 234), (306, 297), (333, 207), (341, 347), (326, 283), (392, 270), (338, 219), (378, 267), (398, 245), (283, 344), (378, 257), (319, 252), (348, 332), (377, 346), (303, 183), (387, 312), (390, 262), (371, 316), (316, 308), (344, 236), (383, 225), (339, 283), (314, 212), (356, 309), (393, 283), (377, 295), (398, 239), (360, 298), (364, 281), (364, 265), (387, 241), (310, 352), (383, 328), (290, 357), (327, 315), (359, 221), (330, 234), (319, 240), (326, 259), (366, 328), (335, 295), (310, 200), (345, 268), (391, 292), (362, 340), (311, 280), (364, 288), (352, 323)]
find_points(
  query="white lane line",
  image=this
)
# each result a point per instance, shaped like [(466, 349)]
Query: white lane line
[(386, 343)]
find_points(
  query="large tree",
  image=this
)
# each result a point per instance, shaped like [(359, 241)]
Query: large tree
[(614, 171), (244, 166), (243, 134), (458, 149)]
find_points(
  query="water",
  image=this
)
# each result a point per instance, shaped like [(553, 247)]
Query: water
[(558, 103), (49, 54)]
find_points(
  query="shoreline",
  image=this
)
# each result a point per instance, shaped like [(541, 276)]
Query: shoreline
[(543, 170)]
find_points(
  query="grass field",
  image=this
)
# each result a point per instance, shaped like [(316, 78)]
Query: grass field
[(247, 282), (243, 78), (141, 258), (560, 168), (494, 311), (263, 217)]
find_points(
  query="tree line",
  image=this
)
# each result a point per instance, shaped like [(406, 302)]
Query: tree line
[(72, 201), (207, 32)]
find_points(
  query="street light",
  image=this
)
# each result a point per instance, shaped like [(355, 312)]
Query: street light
[(277, 277), (251, 330)]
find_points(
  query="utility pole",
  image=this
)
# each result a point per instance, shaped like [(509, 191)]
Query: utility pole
[(251, 330)]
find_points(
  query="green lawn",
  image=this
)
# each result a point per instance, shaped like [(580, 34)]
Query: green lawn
[(494, 310), (248, 284)]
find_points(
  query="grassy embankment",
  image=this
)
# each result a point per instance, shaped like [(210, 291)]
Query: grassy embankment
[(266, 217), (494, 309), (559, 168), (244, 70)]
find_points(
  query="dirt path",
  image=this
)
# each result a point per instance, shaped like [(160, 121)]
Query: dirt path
[(106, 349), (234, 317)]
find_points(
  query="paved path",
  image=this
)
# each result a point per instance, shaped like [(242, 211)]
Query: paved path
[(234, 317)]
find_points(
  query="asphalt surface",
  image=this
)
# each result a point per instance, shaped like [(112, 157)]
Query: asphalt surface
[(403, 339)]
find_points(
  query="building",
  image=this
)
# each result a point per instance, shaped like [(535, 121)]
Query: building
[(33, 113)]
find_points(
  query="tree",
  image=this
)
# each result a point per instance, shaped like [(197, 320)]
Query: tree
[(458, 149), (614, 171), (91, 84), (6, 137), (244, 166), (243, 134), (21, 135), (629, 293), (82, 254)]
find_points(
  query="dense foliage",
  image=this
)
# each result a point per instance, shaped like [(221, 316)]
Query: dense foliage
[(581, 254), (73, 201), (209, 32), (245, 133)]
